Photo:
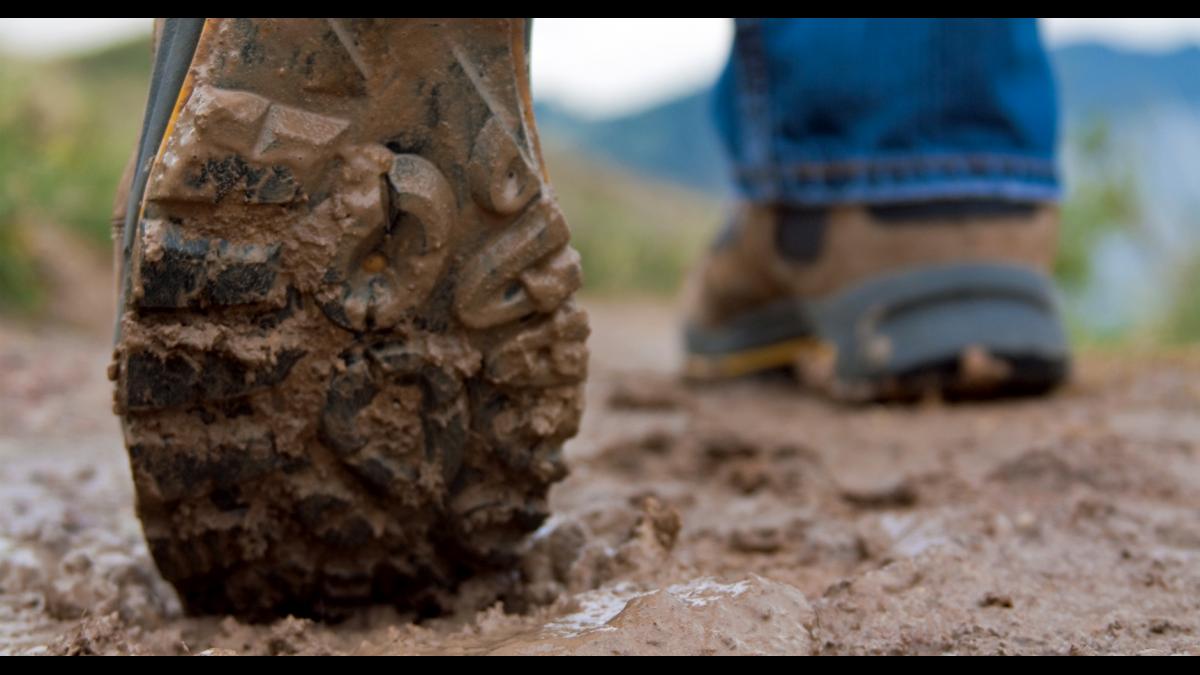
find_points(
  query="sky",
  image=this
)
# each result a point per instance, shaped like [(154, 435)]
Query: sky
[(607, 67)]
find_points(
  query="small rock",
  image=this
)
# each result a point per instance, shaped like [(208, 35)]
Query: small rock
[(991, 599), (884, 493), (756, 540)]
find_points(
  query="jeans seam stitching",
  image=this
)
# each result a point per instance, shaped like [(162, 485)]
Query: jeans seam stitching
[(753, 81), (973, 163)]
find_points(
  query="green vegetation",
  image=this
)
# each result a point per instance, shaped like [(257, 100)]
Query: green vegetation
[(635, 235), (1181, 325), (66, 130), (18, 282), (19, 289), (1103, 200)]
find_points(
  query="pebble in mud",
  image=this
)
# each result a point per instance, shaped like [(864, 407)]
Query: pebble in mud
[(992, 599), (892, 492), (757, 540)]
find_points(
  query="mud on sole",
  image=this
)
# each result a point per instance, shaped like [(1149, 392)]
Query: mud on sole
[(348, 355)]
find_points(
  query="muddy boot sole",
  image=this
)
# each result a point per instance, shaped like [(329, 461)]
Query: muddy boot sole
[(347, 354), (956, 331)]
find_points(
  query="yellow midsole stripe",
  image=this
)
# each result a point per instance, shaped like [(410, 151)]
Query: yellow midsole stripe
[(736, 364)]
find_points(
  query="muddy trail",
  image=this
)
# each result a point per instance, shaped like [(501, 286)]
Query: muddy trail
[(744, 519)]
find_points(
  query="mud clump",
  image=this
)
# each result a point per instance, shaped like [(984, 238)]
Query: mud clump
[(100, 636), (895, 491), (633, 540)]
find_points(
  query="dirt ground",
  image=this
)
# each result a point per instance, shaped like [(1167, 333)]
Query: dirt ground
[(745, 519)]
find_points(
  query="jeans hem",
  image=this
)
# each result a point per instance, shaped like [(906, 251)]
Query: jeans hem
[(919, 178)]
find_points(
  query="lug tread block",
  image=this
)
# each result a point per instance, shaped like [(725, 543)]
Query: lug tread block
[(178, 272)]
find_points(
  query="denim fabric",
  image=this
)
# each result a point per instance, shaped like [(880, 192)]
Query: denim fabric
[(822, 111)]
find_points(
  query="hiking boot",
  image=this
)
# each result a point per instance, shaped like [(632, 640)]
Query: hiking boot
[(347, 355), (871, 302)]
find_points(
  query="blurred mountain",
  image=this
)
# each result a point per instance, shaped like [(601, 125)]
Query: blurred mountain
[(1096, 79), (673, 141)]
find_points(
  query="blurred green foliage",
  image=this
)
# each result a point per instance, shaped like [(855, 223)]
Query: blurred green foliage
[(1103, 199), (1181, 324), (18, 282), (635, 235), (19, 289), (66, 130)]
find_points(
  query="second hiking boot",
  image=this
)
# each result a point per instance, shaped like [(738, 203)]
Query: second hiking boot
[(883, 302)]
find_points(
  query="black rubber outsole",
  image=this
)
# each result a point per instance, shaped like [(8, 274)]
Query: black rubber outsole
[(966, 331)]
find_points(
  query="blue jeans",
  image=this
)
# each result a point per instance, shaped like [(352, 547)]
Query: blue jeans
[(822, 111)]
